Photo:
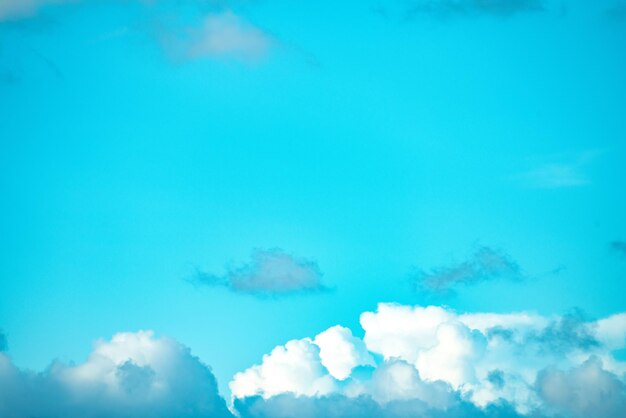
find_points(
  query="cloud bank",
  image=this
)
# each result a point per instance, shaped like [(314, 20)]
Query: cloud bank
[(485, 264), (434, 362), (426, 362), (269, 273), (132, 375)]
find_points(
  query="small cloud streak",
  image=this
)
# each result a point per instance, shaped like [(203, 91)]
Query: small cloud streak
[(19, 9), (569, 172), (219, 35), (476, 7), (269, 273), (485, 264), (618, 11)]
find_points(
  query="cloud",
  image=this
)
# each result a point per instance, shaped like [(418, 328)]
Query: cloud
[(434, 362), (413, 361), (132, 375), (475, 7), (269, 273), (619, 246), (19, 9), (485, 264), (339, 406), (566, 171), (185, 31), (227, 34), (617, 11), (584, 391)]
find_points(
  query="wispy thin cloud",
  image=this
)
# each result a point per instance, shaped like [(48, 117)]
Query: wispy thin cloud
[(218, 34), (619, 247), (269, 273), (560, 172), (617, 11), (485, 264), (475, 7), (18, 9)]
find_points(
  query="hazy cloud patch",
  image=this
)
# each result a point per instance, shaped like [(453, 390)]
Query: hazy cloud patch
[(433, 362), (619, 247), (134, 375), (269, 273), (475, 7), (485, 264), (560, 171)]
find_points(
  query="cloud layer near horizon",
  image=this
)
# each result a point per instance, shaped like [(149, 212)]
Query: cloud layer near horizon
[(413, 361), (432, 360), (132, 375)]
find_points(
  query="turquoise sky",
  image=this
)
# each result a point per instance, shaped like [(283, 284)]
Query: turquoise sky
[(378, 141)]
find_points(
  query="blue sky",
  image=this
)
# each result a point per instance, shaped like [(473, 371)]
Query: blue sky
[(360, 147)]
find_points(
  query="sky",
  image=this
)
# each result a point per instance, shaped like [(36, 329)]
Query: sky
[(264, 208)]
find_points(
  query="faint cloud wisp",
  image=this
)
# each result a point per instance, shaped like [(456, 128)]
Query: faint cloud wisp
[(475, 7), (564, 172), (485, 264), (269, 273)]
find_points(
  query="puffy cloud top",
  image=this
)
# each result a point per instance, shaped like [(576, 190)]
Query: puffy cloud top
[(133, 375), (433, 359)]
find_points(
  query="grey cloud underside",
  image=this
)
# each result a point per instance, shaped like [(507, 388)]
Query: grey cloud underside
[(289, 406), (474, 7), (176, 384), (585, 391), (269, 273), (485, 264), (571, 331)]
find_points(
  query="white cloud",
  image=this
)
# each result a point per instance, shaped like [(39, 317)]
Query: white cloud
[(133, 375), (438, 358), (294, 368), (340, 351)]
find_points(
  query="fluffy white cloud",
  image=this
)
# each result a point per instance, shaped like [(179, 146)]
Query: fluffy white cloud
[(436, 358), (340, 351), (133, 375), (294, 368)]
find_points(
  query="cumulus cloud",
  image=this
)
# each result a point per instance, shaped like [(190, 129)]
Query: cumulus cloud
[(473, 7), (269, 273), (485, 264), (432, 361), (132, 375), (619, 247), (584, 391)]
